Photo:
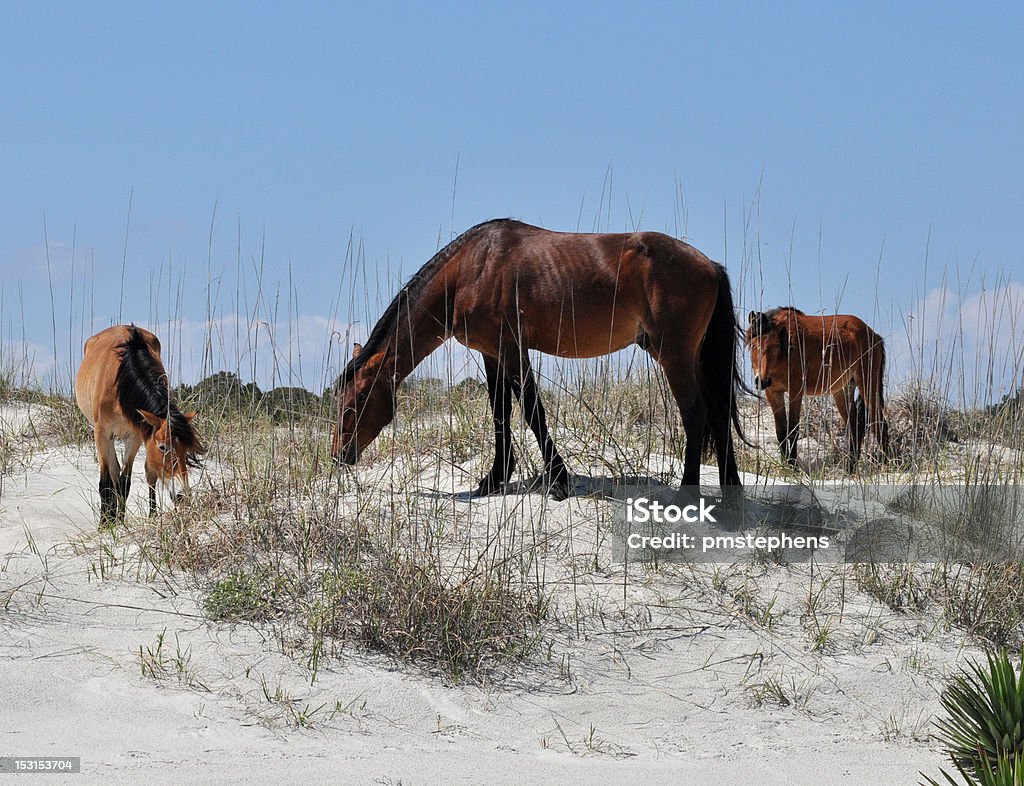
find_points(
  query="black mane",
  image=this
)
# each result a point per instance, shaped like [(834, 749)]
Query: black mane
[(142, 384), (773, 312), (378, 337)]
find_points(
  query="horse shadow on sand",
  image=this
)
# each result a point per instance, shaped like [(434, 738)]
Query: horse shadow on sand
[(601, 487)]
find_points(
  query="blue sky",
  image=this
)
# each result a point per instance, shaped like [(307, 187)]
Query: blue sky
[(841, 158)]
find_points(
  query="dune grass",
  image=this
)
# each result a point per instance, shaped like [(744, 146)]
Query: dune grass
[(392, 555)]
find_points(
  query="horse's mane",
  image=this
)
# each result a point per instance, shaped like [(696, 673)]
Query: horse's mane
[(774, 312), (381, 332), (142, 384)]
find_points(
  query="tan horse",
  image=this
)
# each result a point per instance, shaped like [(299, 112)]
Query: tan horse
[(504, 287), (121, 388), (796, 354)]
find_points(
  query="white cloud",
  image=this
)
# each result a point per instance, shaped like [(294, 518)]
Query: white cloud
[(26, 363), (969, 344)]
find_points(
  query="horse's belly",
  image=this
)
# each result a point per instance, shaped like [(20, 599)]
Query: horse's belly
[(588, 326), (575, 343), (120, 430), (84, 401), (553, 331)]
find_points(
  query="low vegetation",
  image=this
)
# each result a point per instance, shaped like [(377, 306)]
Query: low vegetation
[(384, 558), (983, 730)]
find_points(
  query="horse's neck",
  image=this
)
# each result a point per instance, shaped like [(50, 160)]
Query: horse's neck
[(419, 330)]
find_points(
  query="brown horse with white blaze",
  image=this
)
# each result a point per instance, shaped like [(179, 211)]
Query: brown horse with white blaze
[(796, 355), (505, 287), (121, 388)]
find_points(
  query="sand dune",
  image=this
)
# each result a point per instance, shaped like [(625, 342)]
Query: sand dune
[(681, 684)]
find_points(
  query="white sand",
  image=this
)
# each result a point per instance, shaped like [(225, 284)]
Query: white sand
[(674, 698)]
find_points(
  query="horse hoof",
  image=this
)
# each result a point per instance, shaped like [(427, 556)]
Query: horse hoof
[(559, 489), (488, 487)]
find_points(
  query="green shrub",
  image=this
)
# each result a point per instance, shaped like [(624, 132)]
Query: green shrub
[(984, 730), (246, 595)]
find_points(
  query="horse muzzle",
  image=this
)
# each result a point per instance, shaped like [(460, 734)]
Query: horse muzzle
[(348, 456), (762, 383)]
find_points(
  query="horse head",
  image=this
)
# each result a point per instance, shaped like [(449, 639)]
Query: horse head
[(166, 456), (768, 341), (366, 404)]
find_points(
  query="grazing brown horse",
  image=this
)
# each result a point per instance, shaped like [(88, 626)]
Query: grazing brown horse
[(796, 354), (121, 388), (504, 287)]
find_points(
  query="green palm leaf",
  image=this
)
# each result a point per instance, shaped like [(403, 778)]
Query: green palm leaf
[(984, 728), (986, 713)]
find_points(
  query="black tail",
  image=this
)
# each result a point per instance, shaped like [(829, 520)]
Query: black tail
[(886, 451), (881, 374), (721, 382), (859, 419)]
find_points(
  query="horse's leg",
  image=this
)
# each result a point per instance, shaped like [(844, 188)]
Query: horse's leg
[(777, 402), (109, 472), (847, 406), (524, 386), (795, 402), (124, 481), (681, 373), (499, 393), (874, 398)]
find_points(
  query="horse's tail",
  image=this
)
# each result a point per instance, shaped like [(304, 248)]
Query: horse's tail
[(881, 398), (721, 382), (881, 372), (859, 416)]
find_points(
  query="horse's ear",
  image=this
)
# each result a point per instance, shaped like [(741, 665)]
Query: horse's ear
[(752, 317), (189, 416), (154, 420), (356, 350)]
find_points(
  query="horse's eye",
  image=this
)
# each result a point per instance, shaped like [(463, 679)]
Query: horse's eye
[(162, 446)]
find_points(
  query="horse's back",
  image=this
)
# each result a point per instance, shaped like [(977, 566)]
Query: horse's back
[(832, 349), (835, 327), (576, 294)]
